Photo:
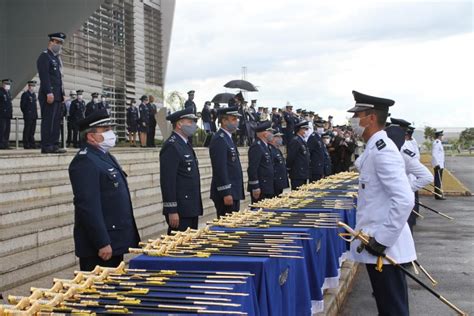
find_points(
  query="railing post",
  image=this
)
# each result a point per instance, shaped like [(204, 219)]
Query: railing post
[(64, 132)]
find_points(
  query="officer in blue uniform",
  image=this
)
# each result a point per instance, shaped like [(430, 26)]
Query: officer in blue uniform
[(276, 120), (77, 112), (290, 120), (6, 112), (298, 157), (104, 225), (132, 123), (143, 120), (326, 138), (51, 93), (316, 149), (94, 104), (179, 174), (260, 168), (280, 179), (28, 106), (227, 185)]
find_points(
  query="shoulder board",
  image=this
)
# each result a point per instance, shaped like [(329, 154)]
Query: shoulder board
[(45, 51), (258, 142), (380, 144), (172, 139), (83, 152), (409, 152)]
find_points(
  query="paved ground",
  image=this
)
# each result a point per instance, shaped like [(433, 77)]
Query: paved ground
[(445, 249)]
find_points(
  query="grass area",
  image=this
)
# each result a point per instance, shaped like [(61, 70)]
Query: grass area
[(451, 184)]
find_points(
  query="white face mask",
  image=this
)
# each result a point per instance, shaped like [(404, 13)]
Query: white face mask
[(348, 139), (307, 133), (7, 87), (79, 97), (320, 130), (103, 99), (326, 141), (95, 100), (358, 130), (109, 141)]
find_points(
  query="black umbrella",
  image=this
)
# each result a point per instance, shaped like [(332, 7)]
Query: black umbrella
[(241, 84), (222, 97)]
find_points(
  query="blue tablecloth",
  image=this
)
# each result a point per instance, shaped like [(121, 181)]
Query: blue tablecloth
[(275, 293)]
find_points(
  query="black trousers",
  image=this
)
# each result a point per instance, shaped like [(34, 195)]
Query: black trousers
[(262, 196), (184, 223), (295, 183), (70, 126), (89, 263), (390, 290), (438, 179), (50, 124), (4, 132), (224, 209), (75, 137), (315, 177), (150, 137), (412, 218), (29, 129)]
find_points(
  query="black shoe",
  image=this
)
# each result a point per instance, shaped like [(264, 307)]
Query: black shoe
[(440, 198), (59, 151)]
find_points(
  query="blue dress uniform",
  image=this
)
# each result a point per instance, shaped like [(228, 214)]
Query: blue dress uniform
[(280, 180), (327, 156), (180, 180), (150, 138), (316, 149), (77, 112), (276, 121), (291, 120), (103, 212), (298, 158), (28, 106), (6, 113), (92, 106), (385, 201), (227, 177), (143, 118), (49, 70), (132, 119), (260, 169)]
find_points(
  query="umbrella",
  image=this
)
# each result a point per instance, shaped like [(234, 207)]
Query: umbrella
[(222, 97), (240, 84)]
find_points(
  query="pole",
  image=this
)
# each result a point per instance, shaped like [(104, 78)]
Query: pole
[(17, 141)]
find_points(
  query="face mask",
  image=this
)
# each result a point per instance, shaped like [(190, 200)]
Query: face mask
[(7, 87), (79, 97), (103, 99), (358, 130), (32, 89), (307, 133), (73, 97), (109, 140), (56, 48), (320, 130), (231, 127), (189, 130), (95, 100), (348, 139), (269, 138), (279, 141), (326, 141)]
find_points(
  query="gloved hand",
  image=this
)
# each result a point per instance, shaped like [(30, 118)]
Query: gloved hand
[(374, 248)]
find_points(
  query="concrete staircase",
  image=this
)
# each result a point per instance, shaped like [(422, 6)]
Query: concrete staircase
[(37, 214)]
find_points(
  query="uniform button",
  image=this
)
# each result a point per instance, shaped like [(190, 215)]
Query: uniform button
[(186, 196), (113, 226)]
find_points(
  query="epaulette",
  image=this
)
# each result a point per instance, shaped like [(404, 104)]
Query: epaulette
[(172, 139), (380, 144), (409, 152), (83, 152)]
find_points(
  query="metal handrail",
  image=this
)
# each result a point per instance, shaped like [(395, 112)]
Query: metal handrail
[(17, 131)]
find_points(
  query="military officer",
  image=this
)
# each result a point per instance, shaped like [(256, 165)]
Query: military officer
[(326, 138), (316, 152), (132, 123), (227, 186), (179, 174), (28, 106), (51, 93), (298, 157), (290, 120), (77, 112), (418, 175), (104, 224), (152, 110), (6, 113), (276, 120), (385, 201), (411, 142), (190, 102), (260, 169), (143, 120), (437, 161), (93, 104), (72, 97), (280, 180), (104, 103)]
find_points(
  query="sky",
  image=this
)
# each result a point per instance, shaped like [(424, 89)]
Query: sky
[(313, 53)]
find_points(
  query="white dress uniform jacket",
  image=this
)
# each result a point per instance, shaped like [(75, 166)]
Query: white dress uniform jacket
[(418, 175), (412, 145), (385, 201), (437, 154)]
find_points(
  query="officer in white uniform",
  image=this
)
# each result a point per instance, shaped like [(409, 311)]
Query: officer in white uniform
[(385, 201), (411, 143), (437, 161), (418, 175)]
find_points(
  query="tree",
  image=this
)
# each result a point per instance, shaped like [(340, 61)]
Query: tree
[(175, 101), (466, 139), (156, 92), (429, 133)]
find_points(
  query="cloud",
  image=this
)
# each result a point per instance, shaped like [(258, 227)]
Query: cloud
[(313, 53)]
